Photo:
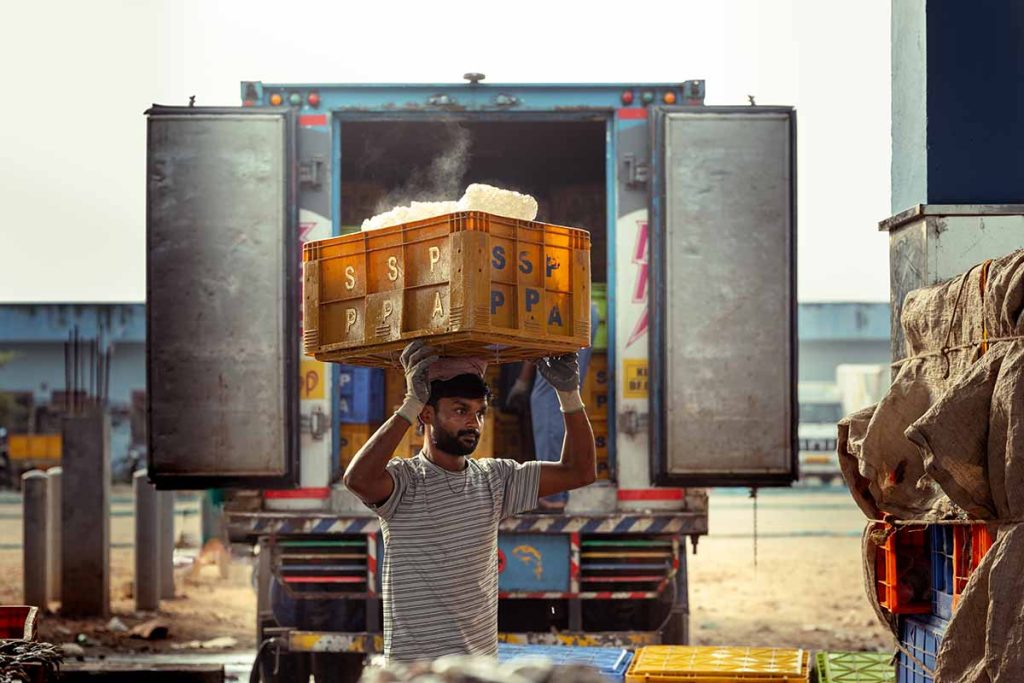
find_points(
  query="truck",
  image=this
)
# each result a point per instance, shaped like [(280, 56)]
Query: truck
[(820, 410), (692, 218), (823, 404)]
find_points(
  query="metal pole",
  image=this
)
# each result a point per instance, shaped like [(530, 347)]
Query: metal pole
[(54, 528), (166, 550), (34, 541), (147, 539)]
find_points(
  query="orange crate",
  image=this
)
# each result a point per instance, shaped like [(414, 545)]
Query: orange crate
[(903, 571), (34, 446), (970, 544), (472, 284)]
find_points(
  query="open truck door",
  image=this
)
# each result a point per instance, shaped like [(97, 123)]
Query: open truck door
[(723, 262), (221, 298)]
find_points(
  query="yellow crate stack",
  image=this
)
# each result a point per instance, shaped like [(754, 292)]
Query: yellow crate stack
[(713, 664), (595, 397), (352, 437)]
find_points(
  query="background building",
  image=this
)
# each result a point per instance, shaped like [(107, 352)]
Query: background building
[(33, 337)]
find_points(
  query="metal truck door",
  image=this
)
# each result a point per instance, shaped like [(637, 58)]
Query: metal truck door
[(723, 260), (221, 302)]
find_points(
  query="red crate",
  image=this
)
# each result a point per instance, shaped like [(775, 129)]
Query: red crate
[(903, 571), (18, 622), (970, 543)]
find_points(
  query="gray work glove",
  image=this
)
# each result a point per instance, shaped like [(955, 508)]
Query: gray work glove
[(416, 360), (563, 373)]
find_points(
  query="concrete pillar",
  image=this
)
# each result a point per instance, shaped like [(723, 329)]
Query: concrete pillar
[(957, 102), (85, 515), (53, 529), (166, 549), (147, 544), (34, 540)]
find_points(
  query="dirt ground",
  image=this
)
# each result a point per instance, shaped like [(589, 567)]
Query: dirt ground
[(805, 591)]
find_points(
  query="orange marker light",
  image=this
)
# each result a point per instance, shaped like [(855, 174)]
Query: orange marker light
[(670, 98), (276, 100)]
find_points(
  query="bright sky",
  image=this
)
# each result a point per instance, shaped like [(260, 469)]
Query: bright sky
[(78, 76)]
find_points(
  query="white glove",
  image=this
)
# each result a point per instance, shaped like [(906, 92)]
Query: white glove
[(416, 360), (563, 373)]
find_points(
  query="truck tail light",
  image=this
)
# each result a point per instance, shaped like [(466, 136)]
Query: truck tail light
[(276, 99), (313, 99), (670, 98), (627, 97)]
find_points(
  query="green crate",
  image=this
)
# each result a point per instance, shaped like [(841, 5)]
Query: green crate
[(599, 297), (855, 667)]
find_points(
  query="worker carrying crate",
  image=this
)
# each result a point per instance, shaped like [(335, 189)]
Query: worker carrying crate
[(440, 510)]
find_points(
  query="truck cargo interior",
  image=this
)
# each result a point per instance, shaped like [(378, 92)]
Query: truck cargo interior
[(560, 163)]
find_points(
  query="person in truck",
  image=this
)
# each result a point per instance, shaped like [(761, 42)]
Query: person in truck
[(440, 510)]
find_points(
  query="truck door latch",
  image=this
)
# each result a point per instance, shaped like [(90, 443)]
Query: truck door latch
[(311, 172), (636, 171), (631, 422)]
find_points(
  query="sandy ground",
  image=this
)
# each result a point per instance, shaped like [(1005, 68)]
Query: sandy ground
[(806, 589)]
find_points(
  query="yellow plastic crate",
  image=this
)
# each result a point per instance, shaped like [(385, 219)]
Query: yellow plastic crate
[(596, 386), (471, 284), (676, 663), (353, 436), (35, 446)]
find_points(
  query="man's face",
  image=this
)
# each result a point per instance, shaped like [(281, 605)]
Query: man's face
[(456, 424)]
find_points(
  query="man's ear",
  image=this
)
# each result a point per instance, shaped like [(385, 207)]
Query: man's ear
[(427, 415)]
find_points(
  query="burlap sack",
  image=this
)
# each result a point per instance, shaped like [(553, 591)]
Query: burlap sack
[(948, 439)]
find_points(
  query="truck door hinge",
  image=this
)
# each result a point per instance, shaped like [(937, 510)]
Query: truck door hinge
[(311, 172), (636, 171)]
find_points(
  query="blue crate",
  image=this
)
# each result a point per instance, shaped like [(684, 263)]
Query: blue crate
[(612, 662), (940, 537), (360, 395), (922, 636)]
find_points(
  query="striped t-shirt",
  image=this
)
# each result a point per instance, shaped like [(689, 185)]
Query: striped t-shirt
[(440, 569)]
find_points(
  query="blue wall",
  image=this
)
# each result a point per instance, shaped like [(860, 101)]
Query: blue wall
[(957, 102)]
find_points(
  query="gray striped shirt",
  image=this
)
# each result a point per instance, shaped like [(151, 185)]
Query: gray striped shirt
[(440, 569)]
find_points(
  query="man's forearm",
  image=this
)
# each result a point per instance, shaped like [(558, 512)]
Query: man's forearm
[(578, 450)]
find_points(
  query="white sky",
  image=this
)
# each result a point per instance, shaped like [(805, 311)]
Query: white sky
[(78, 76)]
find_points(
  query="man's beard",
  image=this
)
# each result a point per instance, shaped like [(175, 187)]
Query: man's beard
[(459, 444)]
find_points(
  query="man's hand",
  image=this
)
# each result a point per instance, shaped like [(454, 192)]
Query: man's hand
[(563, 373), (416, 361)]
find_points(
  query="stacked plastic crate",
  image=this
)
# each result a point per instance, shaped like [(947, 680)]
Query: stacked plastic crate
[(921, 571), (360, 408), (704, 664), (595, 397), (855, 667), (612, 662)]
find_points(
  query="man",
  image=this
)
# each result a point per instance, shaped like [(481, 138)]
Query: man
[(440, 510)]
